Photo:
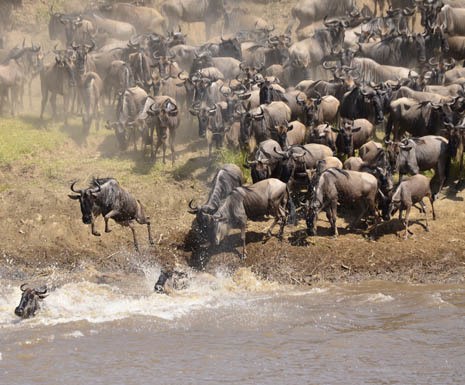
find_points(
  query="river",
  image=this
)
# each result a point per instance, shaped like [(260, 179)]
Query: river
[(223, 329)]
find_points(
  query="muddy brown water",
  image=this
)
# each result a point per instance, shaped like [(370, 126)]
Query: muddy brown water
[(224, 329)]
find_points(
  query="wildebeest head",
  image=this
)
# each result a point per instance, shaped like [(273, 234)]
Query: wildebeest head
[(29, 302), (281, 131), (346, 136), (86, 199), (204, 219), (202, 60), (230, 47), (203, 113), (81, 51), (407, 160), (72, 24), (309, 108)]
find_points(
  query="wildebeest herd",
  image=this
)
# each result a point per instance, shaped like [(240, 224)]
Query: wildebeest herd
[(299, 104)]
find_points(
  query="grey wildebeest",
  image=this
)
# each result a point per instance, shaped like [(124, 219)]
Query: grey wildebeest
[(90, 91), (12, 78), (261, 122), (106, 197), (130, 104), (29, 303), (267, 197), (164, 111), (145, 19), (319, 110), (345, 187), (309, 11), (211, 123), (191, 11), (306, 55), (113, 28), (419, 119), (411, 190), (352, 135), (425, 153), (226, 179), (57, 78), (452, 19)]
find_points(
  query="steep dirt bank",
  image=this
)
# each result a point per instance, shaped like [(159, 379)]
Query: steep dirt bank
[(41, 226)]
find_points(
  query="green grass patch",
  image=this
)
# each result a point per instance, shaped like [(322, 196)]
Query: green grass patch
[(21, 140)]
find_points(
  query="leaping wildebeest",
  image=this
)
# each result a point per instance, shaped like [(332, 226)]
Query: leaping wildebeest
[(29, 303), (106, 197)]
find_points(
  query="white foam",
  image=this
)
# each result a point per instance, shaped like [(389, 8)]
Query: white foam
[(380, 298), (75, 334), (97, 303), (1, 358)]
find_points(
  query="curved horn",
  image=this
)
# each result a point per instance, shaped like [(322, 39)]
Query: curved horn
[(23, 286), (73, 190), (193, 210), (279, 152)]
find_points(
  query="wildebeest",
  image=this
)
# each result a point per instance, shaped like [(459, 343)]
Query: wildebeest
[(29, 303), (403, 51), (114, 28), (12, 78), (145, 19), (260, 123), (411, 190), (319, 110), (452, 19), (309, 11), (425, 153), (323, 134), (226, 179), (106, 197), (165, 113), (364, 102), (267, 197), (419, 119), (345, 187), (129, 106), (211, 124), (57, 78), (207, 11), (90, 91), (306, 55), (291, 133), (352, 135)]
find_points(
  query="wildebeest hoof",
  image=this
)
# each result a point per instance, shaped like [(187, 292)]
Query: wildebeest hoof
[(108, 230), (96, 233), (159, 289)]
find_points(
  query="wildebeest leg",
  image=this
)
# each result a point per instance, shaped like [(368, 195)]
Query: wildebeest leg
[(331, 214), (422, 204), (244, 251), (53, 103), (136, 245), (109, 215), (143, 220), (432, 206), (92, 228), (43, 103), (171, 140), (363, 210), (407, 213)]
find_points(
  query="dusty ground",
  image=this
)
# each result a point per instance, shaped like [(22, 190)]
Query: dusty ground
[(41, 227)]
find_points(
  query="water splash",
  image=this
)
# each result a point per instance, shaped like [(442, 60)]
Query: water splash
[(97, 303)]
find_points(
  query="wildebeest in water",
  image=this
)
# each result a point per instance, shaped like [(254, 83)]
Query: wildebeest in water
[(29, 303)]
